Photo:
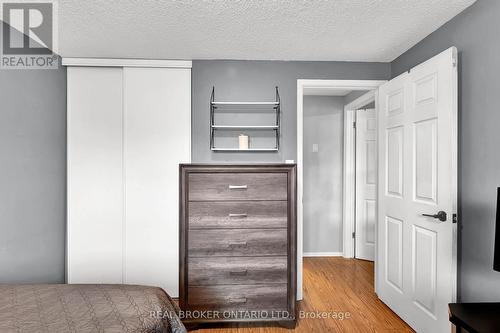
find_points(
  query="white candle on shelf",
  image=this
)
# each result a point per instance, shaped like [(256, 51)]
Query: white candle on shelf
[(243, 141)]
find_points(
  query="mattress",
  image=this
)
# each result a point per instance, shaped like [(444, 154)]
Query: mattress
[(52, 308)]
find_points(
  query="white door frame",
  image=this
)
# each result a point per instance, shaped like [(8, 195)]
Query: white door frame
[(349, 175), (311, 85)]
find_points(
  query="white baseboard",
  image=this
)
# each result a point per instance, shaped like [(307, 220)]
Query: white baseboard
[(322, 254)]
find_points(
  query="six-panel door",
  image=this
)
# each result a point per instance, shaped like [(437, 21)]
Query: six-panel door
[(416, 267)]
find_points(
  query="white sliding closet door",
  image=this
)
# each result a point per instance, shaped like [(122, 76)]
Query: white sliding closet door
[(157, 137), (129, 127), (95, 179)]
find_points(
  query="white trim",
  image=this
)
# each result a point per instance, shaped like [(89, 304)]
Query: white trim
[(68, 178), (322, 254), (301, 84), (341, 84), (124, 173), (300, 176), (112, 62), (454, 171), (349, 183)]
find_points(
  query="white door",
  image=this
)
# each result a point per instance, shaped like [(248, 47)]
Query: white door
[(366, 183), (416, 267), (95, 178), (157, 137)]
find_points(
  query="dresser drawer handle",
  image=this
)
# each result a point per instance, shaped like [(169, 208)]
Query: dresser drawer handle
[(238, 215), (236, 243), (238, 300), (238, 187), (241, 272)]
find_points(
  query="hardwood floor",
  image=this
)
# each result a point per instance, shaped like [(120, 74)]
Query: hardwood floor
[(335, 286)]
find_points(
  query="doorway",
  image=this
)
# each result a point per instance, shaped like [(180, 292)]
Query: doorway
[(416, 227), (322, 170), (308, 151)]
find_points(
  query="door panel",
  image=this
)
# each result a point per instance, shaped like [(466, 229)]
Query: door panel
[(395, 103), (371, 217), (157, 136), (371, 162), (394, 150), (416, 265), (366, 183), (425, 89), (394, 252), (95, 164), (424, 268), (425, 161)]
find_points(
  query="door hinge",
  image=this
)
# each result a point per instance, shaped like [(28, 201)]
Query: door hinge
[(454, 218), (353, 124), (353, 235)]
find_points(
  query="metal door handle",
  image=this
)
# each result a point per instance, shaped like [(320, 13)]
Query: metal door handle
[(441, 216)]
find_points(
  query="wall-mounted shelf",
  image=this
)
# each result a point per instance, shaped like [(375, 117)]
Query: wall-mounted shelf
[(245, 103), (257, 127), (245, 107), (245, 150)]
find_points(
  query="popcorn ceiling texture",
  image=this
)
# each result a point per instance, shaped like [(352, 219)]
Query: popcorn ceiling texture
[(348, 30)]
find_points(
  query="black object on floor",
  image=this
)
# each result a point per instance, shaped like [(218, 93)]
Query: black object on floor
[(476, 317)]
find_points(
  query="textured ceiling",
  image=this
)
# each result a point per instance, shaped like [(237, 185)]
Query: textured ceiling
[(351, 30)]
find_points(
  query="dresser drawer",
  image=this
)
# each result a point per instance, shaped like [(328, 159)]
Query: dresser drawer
[(238, 214), (237, 242), (272, 297), (236, 270), (237, 186)]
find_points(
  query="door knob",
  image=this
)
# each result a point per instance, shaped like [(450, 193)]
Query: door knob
[(441, 216)]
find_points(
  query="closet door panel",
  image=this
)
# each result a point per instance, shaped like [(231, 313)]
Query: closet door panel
[(95, 178), (157, 137)]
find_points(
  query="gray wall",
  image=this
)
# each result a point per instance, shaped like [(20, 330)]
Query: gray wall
[(323, 125), (475, 32), (33, 175), (255, 81), (354, 95), (33, 147)]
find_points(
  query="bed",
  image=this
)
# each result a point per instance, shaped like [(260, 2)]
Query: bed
[(63, 308)]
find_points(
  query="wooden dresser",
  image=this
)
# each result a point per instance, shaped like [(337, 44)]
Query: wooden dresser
[(238, 243)]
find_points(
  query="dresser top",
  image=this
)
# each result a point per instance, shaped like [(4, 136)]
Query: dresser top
[(246, 165), (237, 168)]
